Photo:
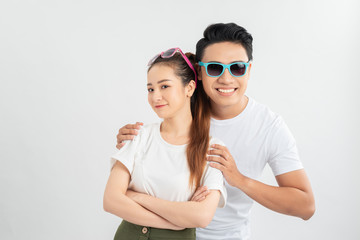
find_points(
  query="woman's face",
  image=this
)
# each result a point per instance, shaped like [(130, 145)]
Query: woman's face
[(166, 93)]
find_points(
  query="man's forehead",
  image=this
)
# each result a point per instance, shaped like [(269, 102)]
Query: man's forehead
[(225, 52)]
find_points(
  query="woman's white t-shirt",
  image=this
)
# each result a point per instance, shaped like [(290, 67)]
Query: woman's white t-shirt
[(161, 169)]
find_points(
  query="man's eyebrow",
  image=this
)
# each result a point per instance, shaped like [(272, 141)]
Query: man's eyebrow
[(239, 61), (161, 81), (229, 63)]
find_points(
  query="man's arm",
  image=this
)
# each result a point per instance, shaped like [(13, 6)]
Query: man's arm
[(293, 196), (185, 214), (117, 203)]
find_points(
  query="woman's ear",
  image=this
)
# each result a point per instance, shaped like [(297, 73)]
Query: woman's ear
[(190, 88)]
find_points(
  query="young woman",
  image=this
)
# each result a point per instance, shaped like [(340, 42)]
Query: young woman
[(166, 162)]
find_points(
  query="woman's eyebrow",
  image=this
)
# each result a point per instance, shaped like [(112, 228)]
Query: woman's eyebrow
[(161, 81)]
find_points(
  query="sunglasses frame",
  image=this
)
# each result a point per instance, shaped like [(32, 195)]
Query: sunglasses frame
[(225, 66), (176, 49)]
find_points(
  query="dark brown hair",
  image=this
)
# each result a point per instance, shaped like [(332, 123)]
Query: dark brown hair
[(200, 111)]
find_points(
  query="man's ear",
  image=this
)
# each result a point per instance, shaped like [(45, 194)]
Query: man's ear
[(249, 68), (198, 69)]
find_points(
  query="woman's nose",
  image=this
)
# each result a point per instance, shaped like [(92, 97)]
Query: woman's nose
[(156, 96)]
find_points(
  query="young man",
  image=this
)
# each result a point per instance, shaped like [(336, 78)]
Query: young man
[(253, 134)]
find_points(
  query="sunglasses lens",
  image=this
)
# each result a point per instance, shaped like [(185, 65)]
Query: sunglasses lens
[(169, 53), (214, 69), (238, 69), (153, 59)]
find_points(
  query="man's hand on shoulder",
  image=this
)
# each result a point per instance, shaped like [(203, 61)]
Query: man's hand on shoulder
[(127, 132), (221, 158)]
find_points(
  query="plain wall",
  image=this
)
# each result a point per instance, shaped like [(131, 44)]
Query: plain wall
[(73, 72)]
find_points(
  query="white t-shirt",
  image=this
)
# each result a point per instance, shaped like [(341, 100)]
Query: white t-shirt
[(255, 137), (161, 169)]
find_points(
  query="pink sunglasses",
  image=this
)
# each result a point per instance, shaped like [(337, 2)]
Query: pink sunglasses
[(171, 52)]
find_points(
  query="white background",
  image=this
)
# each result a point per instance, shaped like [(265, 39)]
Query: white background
[(73, 72)]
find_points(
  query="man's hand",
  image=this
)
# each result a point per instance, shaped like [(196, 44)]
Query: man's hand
[(127, 132), (200, 194), (293, 196), (225, 163)]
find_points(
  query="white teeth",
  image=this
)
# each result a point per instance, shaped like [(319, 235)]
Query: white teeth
[(226, 90)]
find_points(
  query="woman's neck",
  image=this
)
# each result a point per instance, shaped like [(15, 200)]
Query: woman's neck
[(176, 130)]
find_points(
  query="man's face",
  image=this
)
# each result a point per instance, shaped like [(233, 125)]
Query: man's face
[(225, 91)]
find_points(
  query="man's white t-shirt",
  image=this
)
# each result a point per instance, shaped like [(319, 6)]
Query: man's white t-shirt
[(255, 137), (161, 169)]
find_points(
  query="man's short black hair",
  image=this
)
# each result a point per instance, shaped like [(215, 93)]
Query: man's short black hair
[(224, 32)]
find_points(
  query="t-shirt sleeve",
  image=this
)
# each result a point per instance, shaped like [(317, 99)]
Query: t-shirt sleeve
[(126, 155), (283, 153), (213, 178)]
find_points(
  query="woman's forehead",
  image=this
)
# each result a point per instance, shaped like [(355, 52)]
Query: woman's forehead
[(161, 72)]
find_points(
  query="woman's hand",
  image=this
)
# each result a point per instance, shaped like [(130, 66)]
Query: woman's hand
[(200, 194)]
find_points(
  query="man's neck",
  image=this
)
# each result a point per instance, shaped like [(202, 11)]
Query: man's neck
[(228, 112)]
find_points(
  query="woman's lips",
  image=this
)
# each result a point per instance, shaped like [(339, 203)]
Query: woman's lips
[(160, 106)]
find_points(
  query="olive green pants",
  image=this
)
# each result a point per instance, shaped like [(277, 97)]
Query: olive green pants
[(129, 231)]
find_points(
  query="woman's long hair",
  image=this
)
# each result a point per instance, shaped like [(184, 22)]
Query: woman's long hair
[(200, 110)]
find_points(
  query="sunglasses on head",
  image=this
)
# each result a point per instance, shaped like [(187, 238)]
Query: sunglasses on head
[(236, 69), (171, 52)]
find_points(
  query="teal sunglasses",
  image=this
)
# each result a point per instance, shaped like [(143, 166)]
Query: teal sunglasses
[(236, 69)]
